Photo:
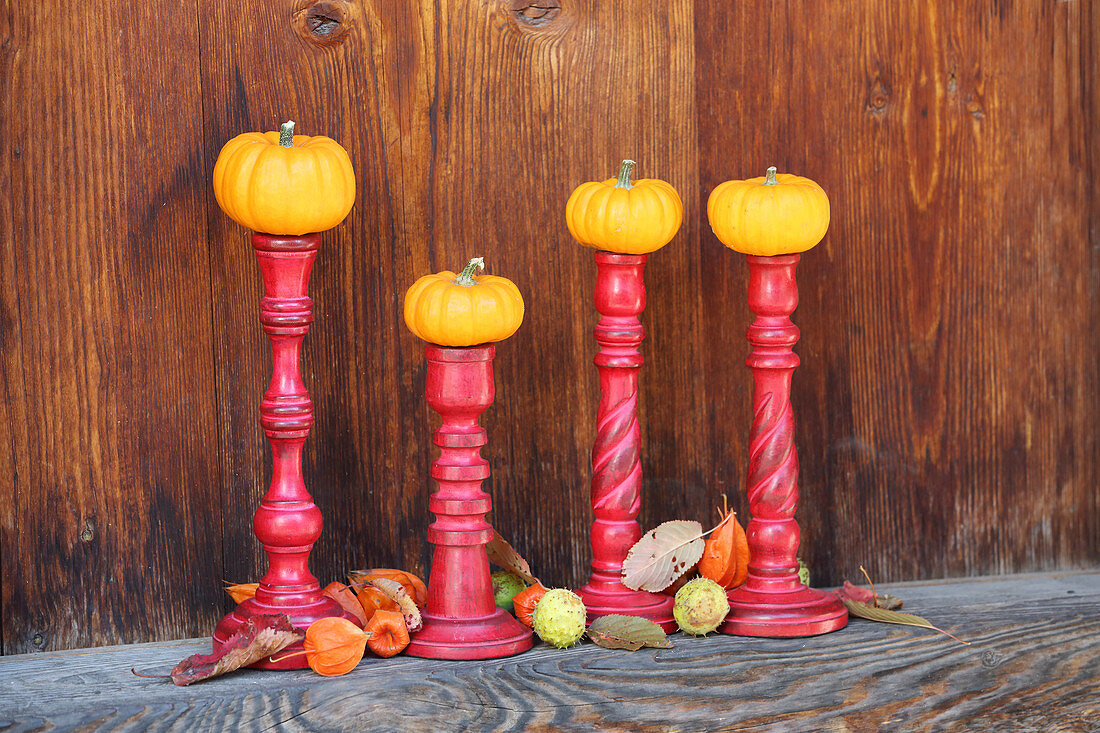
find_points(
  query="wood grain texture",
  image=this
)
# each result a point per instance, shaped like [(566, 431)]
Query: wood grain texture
[(947, 394), (1028, 667), (947, 398), (111, 511), (467, 140)]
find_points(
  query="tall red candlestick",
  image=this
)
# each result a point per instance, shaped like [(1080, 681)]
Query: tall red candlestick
[(287, 522), (773, 602), (461, 620), (616, 454)]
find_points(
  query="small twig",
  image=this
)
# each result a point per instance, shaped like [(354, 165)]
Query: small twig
[(865, 575), (151, 676)]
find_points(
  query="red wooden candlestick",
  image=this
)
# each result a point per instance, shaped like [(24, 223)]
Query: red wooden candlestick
[(773, 602), (461, 620), (287, 522), (616, 454)]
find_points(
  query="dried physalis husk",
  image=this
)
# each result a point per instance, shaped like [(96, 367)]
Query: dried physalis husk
[(725, 557)]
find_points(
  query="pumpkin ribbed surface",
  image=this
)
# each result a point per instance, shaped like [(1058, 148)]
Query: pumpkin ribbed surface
[(443, 312), (629, 218), (787, 217), (306, 188)]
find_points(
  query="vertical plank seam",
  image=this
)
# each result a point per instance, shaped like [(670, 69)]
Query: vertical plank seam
[(1088, 60)]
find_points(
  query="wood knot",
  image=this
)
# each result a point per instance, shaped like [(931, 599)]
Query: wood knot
[(878, 97), (534, 12), (323, 22)]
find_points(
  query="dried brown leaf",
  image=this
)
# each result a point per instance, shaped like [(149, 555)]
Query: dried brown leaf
[(887, 601), (397, 593), (663, 554), (627, 632), (260, 636), (872, 613), (505, 556)]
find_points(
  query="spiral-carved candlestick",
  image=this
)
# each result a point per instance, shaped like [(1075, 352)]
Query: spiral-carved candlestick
[(287, 522), (461, 620), (616, 454), (773, 602)]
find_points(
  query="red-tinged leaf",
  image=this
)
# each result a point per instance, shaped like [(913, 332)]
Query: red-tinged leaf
[(663, 554), (872, 613), (397, 593), (869, 596), (259, 637), (855, 593), (627, 632), (504, 556)]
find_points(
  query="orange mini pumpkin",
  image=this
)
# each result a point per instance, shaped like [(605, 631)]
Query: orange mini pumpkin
[(463, 310), (617, 215), (770, 215), (284, 184)]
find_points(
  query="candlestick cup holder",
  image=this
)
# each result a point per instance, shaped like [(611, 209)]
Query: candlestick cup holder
[(773, 602), (287, 522), (616, 454), (461, 619)]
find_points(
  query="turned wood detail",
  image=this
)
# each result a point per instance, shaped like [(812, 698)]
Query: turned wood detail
[(287, 522), (616, 494), (772, 601), (461, 620), (772, 481)]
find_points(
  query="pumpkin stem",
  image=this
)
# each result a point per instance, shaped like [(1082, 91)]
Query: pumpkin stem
[(769, 177), (624, 175), (286, 134), (466, 277)]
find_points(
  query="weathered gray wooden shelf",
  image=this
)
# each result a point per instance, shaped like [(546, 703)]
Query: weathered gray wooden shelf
[(1033, 664)]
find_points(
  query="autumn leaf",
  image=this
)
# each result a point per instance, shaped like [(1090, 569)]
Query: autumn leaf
[(869, 596), (857, 594), (241, 592), (627, 632), (870, 612), (663, 554), (259, 637), (504, 556), (347, 599), (397, 593)]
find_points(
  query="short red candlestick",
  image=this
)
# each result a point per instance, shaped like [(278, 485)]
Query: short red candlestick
[(287, 522), (461, 620), (773, 602), (616, 454)]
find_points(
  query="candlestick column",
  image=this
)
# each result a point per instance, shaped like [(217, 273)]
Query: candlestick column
[(461, 620), (287, 522), (616, 454), (773, 602)]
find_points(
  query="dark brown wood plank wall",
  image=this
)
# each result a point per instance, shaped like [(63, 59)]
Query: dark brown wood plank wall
[(111, 501), (947, 397)]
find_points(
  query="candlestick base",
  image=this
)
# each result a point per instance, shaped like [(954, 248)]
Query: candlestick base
[(604, 597), (797, 612), (461, 620), (495, 635), (301, 616)]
